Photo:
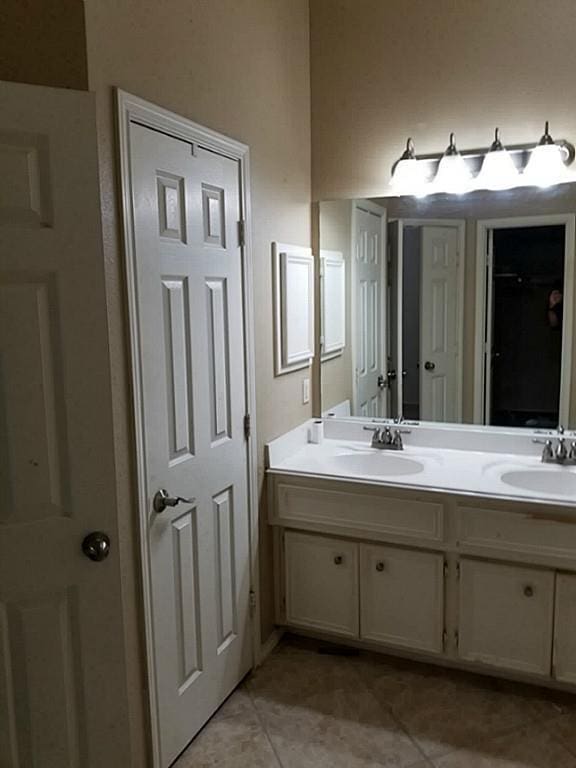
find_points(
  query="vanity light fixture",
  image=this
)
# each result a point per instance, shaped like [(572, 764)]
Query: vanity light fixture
[(498, 170), (408, 175), (453, 175), (546, 164)]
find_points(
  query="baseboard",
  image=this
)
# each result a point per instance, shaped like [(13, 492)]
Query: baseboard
[(271, 643)]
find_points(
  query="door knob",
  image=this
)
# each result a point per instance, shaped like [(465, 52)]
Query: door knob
[(96, 546), (381, 382), (162, 499), (391, 375), (429, 365)]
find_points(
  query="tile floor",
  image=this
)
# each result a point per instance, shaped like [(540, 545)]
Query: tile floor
[(305, 709)]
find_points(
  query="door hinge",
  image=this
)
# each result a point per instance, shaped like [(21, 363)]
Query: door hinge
[(456, 639), (247, 426), (445, 568), (252, 602), (444, 640), (241, 233)]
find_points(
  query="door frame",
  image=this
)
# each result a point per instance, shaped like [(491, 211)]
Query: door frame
[(130, 109), (383, 213), (460, 225), (483, 229)]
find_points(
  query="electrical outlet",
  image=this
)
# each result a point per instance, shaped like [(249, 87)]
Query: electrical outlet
[(305, 391)]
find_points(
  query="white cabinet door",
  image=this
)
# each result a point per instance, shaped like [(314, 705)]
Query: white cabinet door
[(565, 628), (506, 615), (402, 597), (322, 583)]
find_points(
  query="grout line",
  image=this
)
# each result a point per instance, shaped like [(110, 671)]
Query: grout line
[(401, 727), (264, 729)]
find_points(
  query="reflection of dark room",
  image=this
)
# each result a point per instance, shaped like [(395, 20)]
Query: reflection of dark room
[(526, 347)]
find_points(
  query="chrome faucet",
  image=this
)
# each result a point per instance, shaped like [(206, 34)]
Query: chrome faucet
[(386, 439), (559, 453)]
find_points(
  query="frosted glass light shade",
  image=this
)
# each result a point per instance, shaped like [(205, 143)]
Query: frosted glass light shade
[(545, 167), (409, 178), (498, 171), (453, 175)]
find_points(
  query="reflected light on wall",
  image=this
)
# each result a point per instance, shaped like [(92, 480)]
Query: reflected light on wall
[(498, 170)]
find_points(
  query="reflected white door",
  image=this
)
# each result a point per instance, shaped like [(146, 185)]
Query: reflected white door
[(63, 700), (369, 286), (439, 332), (189, 305)]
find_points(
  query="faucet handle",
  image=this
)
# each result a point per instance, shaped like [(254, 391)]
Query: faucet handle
[(397, 440), (561, 452), (572, 451), (560, 429)]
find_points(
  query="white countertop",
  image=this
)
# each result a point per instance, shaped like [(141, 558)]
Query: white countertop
[(428, 463)]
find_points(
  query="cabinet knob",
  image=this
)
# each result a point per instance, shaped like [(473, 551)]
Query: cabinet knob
[(528, 590), (338, 559), (380, 565)]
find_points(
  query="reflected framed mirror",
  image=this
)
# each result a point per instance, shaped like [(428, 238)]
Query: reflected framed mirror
[(455, 309)]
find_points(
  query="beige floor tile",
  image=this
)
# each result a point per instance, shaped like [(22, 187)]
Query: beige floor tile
[(530, 747), (318, 714), (563, 728), (444, 710), (230, 741)]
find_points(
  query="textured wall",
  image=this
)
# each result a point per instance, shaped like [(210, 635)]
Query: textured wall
[(43, 42), (241, 68), (383, 71)]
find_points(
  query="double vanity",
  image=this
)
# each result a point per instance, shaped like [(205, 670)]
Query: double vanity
[(459, 547)]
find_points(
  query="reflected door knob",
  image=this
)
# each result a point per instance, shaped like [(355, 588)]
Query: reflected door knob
[(429, 365), (162, 499), (96, 546), (391, 375)]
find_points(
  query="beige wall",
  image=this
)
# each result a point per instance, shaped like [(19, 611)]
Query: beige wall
[(241, 68), (383, 71), (43, 42)]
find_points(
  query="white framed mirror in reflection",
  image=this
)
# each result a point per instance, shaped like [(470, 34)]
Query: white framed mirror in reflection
[(450, 308)]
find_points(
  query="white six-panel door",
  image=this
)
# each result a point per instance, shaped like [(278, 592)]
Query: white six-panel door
[(188, 258), (439, 332), (63, 700), (369, 254)]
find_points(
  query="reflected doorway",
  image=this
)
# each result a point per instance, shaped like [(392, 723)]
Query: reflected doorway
[(526, 363)]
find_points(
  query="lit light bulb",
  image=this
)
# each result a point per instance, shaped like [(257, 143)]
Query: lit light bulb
[(453, 175), (498, 170), (546, 165), (408, 177)]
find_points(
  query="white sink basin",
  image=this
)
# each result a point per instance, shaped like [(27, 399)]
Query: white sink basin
[(560, 482), (376, 463)]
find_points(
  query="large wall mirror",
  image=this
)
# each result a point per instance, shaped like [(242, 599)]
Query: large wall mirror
[(450, 308)]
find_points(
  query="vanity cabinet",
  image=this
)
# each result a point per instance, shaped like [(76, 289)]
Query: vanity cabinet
[(564, 661), (506, 615), (402, 597), (322, 583), (487, 585)]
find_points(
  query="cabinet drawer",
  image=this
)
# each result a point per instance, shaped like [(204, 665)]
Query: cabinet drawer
[(361, 512), (506, 616), (322, 583), (402, 597), (531, 532)]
